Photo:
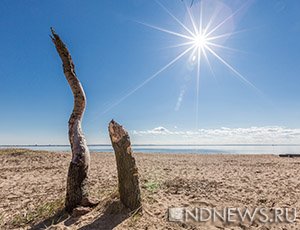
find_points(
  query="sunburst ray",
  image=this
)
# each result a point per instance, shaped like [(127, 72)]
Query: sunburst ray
[(227, 19), (167, 31), (191, 19), (241, 77), (149, 79), (175, 18), (200, 42), (223, 47)]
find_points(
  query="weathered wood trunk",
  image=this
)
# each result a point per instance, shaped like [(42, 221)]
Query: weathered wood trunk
[(77, 181), (128, 180)]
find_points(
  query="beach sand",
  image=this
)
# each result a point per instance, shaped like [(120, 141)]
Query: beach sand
[(32, 189)]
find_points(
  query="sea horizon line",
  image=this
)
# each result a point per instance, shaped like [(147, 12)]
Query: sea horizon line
[(67, 145)]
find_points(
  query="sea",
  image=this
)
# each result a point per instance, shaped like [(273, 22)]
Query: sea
[(180, 149)]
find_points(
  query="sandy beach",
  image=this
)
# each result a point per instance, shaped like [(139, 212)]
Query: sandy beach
[(32, 189)]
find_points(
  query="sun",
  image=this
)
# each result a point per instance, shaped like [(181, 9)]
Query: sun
[(201, 38), (200, 41)]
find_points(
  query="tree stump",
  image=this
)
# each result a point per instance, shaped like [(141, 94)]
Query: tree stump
[(77, 181), (128, 180)]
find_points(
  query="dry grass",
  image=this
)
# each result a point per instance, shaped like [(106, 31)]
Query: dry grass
[(19, 151), (14, 151), (42, 212)]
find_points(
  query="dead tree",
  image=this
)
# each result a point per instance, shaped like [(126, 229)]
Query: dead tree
[(128, 181), (77, 181)]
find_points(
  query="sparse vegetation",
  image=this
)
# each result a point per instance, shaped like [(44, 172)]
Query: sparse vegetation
[(19, 151), (13, 151), (42, 212), (151, 186)]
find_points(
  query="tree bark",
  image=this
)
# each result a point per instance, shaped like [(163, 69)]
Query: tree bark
[(128, 181), (77, 181)]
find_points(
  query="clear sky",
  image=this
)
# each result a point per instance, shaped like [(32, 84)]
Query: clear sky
[(115, 52)]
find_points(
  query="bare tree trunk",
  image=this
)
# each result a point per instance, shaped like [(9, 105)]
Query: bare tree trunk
[(128, 181), (77, 181)]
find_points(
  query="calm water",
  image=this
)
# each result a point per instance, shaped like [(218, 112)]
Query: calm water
[(200, 149)]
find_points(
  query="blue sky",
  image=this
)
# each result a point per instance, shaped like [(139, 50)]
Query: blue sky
[(114, 53)]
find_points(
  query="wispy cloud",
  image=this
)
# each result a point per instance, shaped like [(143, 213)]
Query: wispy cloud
[(157, 130), (224, 135)]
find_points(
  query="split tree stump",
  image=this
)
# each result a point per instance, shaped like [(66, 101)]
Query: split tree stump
[(128, 180)]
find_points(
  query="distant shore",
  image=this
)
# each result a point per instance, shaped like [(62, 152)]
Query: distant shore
[(180, 148)]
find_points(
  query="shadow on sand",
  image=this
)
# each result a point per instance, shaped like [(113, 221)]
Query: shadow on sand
[(114, 213), (58, 217), (107, 216)]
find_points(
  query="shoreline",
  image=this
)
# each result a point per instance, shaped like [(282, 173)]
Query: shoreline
[(262, 149)]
